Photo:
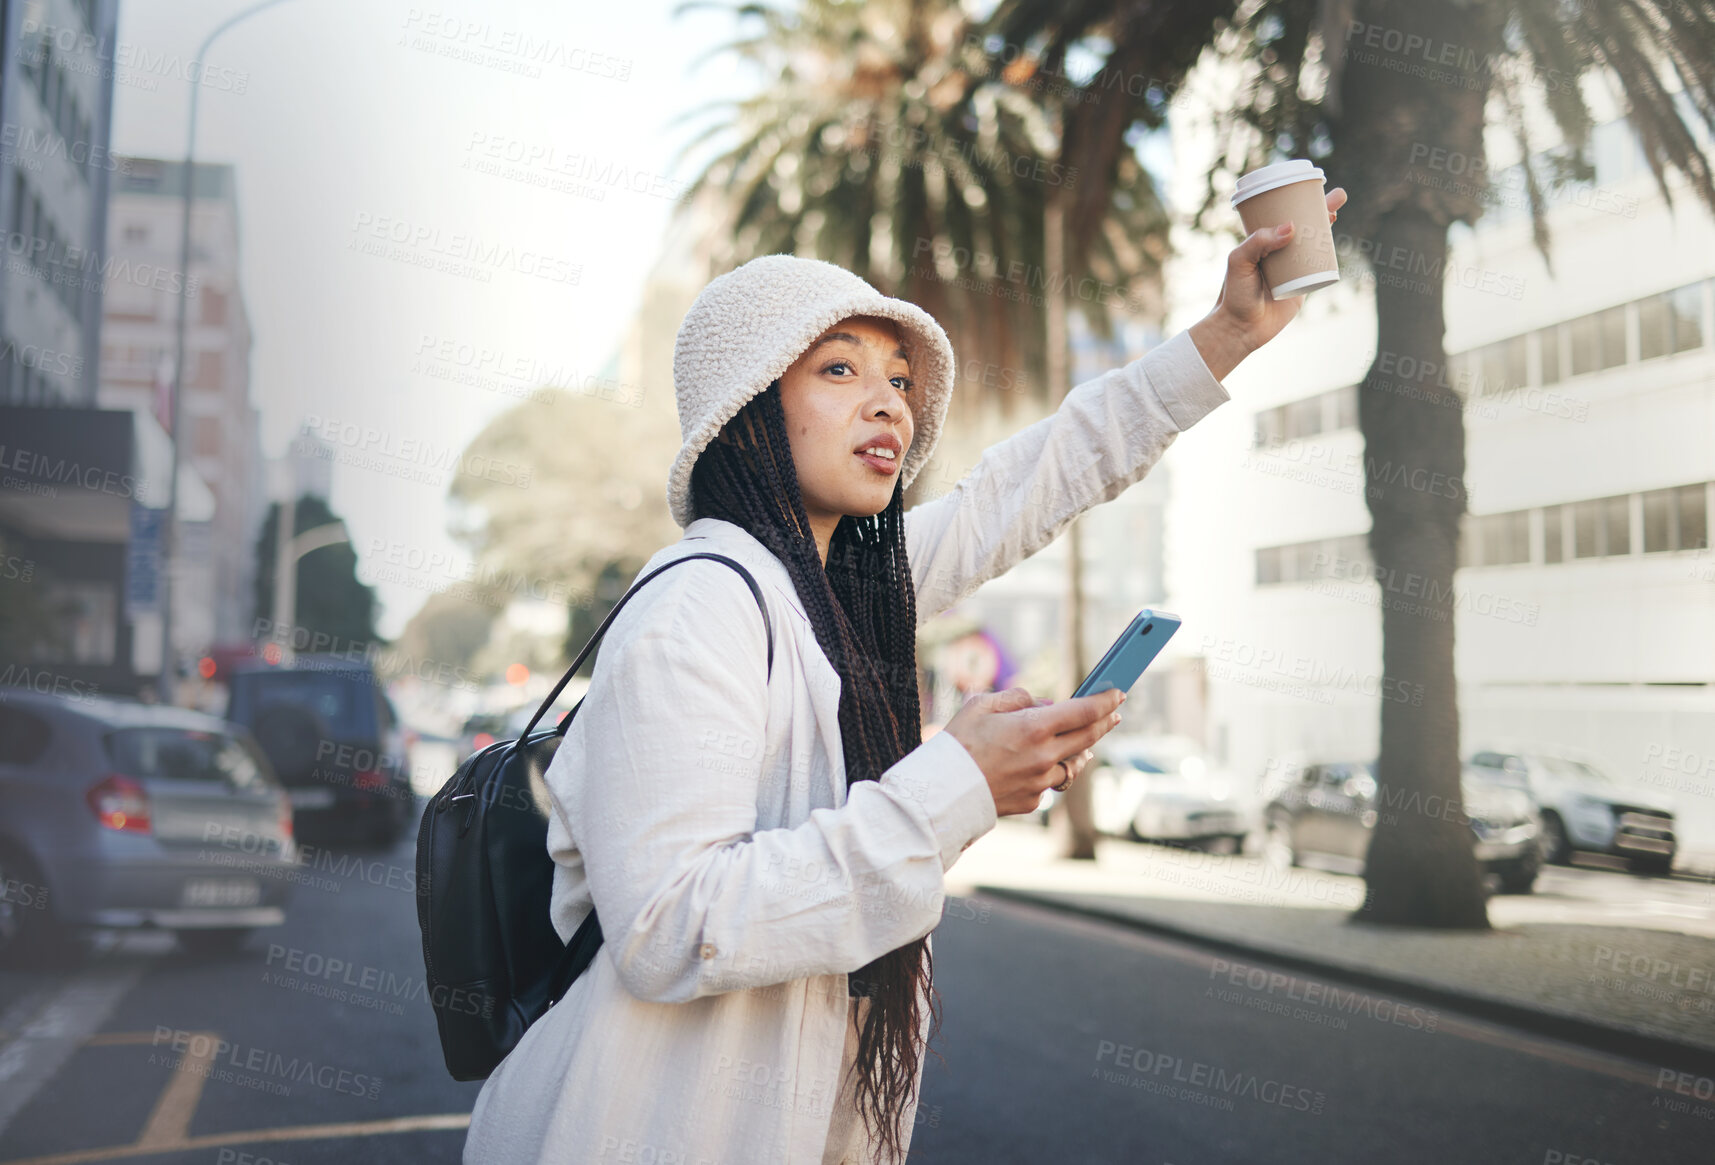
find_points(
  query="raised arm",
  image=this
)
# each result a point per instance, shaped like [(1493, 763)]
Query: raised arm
[(1105, 435), (693, 898)]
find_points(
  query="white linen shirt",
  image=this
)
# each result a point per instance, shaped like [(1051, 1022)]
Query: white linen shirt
[(702, 805)]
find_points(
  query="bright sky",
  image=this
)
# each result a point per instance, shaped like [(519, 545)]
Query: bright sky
[(344, 119)]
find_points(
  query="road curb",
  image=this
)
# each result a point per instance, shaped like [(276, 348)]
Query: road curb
[(1647, 1046)]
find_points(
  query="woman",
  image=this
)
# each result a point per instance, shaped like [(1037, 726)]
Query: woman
[(766, 846)]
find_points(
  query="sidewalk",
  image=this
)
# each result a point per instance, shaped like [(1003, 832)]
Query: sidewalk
[(1637, 977)]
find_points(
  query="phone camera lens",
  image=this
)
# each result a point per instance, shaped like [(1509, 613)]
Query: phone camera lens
[(1147, 628)]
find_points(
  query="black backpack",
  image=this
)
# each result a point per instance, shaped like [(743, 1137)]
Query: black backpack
[(493, 961)]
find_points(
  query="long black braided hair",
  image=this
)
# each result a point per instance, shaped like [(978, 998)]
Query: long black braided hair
[(863, 608)]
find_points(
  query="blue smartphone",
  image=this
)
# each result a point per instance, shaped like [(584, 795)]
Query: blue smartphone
[(1134, 650)]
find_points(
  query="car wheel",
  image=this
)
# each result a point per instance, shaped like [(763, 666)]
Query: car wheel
[(1518, 879), (1277, 847), (1555, 849), (215, 940)]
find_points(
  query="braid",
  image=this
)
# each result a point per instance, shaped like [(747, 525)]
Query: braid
[(863, 609)]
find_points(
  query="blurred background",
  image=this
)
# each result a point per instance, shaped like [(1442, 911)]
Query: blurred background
[(336, 404)]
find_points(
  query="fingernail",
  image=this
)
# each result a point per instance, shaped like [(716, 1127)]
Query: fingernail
[(1283, 230), (1114, 719)]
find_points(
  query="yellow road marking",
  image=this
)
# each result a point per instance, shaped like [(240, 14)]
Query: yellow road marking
[(404, 1124), (171, 1118)]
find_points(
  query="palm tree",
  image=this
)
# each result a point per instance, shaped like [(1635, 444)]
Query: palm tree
[(881, 143), (1361, 85)]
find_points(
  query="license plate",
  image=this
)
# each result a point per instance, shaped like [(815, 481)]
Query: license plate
[(222, 892), (312, 798)]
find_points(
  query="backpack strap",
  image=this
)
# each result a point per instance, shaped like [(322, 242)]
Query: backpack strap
[(750, 581)]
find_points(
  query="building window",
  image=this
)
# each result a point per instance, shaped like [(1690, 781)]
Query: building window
[(1345, 407), (1599, 340), (1502, 539), (1549, 342), (213, 307), (1675, 519), (1346, 558), (1600, 527), (1670, 322), (1501, 366), (136, 233)]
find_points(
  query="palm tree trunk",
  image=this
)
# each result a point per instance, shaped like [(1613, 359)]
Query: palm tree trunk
[(1421, 869)]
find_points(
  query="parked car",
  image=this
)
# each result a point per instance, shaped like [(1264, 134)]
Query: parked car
[(1585, 809), (336, 743), (1161, 788), (1323, 814), (115, 813)]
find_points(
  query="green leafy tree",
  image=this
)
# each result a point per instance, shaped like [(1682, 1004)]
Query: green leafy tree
[(330, 601), (1343, 81)]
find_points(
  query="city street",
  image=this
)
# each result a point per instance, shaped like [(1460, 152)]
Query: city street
[(1065, 1040)]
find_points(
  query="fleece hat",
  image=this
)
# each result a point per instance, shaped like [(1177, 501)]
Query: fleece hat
[(749, 325)]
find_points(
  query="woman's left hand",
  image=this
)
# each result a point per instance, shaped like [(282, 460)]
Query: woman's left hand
[(1246, 316)]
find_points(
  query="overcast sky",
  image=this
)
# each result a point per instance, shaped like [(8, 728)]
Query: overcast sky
[(348, 120)]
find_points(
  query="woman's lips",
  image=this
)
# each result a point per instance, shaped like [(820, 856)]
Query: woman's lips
[(880, 464)]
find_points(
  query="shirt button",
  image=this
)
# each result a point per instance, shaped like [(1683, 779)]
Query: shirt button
[(707, 950)]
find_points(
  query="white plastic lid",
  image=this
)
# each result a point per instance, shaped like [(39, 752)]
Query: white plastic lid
[(1275, 176)]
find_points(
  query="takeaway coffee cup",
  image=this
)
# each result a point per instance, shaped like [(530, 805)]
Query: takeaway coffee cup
[(1291, 192)]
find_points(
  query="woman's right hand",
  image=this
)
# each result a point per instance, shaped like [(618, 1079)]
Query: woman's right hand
[(1019, 744)]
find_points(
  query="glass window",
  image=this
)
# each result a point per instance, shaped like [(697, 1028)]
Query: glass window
[(1586, 345), (1586, 525), (1693, 524), (1658, 520), (1470, 541), (183, 754), (1505, 538), (1686, 306), (1612, 326), (1616, 525), (1267, 565), (1655, 326), (1304, 417), (1346, 407), (1549, 342), (1268, 427)]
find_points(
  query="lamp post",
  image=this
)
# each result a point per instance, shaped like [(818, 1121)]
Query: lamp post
[(288, 549), (169, 528)]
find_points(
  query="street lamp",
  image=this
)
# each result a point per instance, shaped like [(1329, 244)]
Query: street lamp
[(287, 551), (169, 528)]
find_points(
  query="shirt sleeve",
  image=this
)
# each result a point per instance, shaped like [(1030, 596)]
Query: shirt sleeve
[(1106, 435), (693, 898)]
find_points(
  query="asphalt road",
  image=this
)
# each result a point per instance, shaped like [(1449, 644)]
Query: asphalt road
[(1065, 1041)]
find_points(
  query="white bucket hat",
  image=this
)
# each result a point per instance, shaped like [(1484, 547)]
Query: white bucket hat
[(750, 324)]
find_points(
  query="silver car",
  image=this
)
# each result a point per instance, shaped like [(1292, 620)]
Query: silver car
[(121, 814), (1585, 809), (1162, 788)]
